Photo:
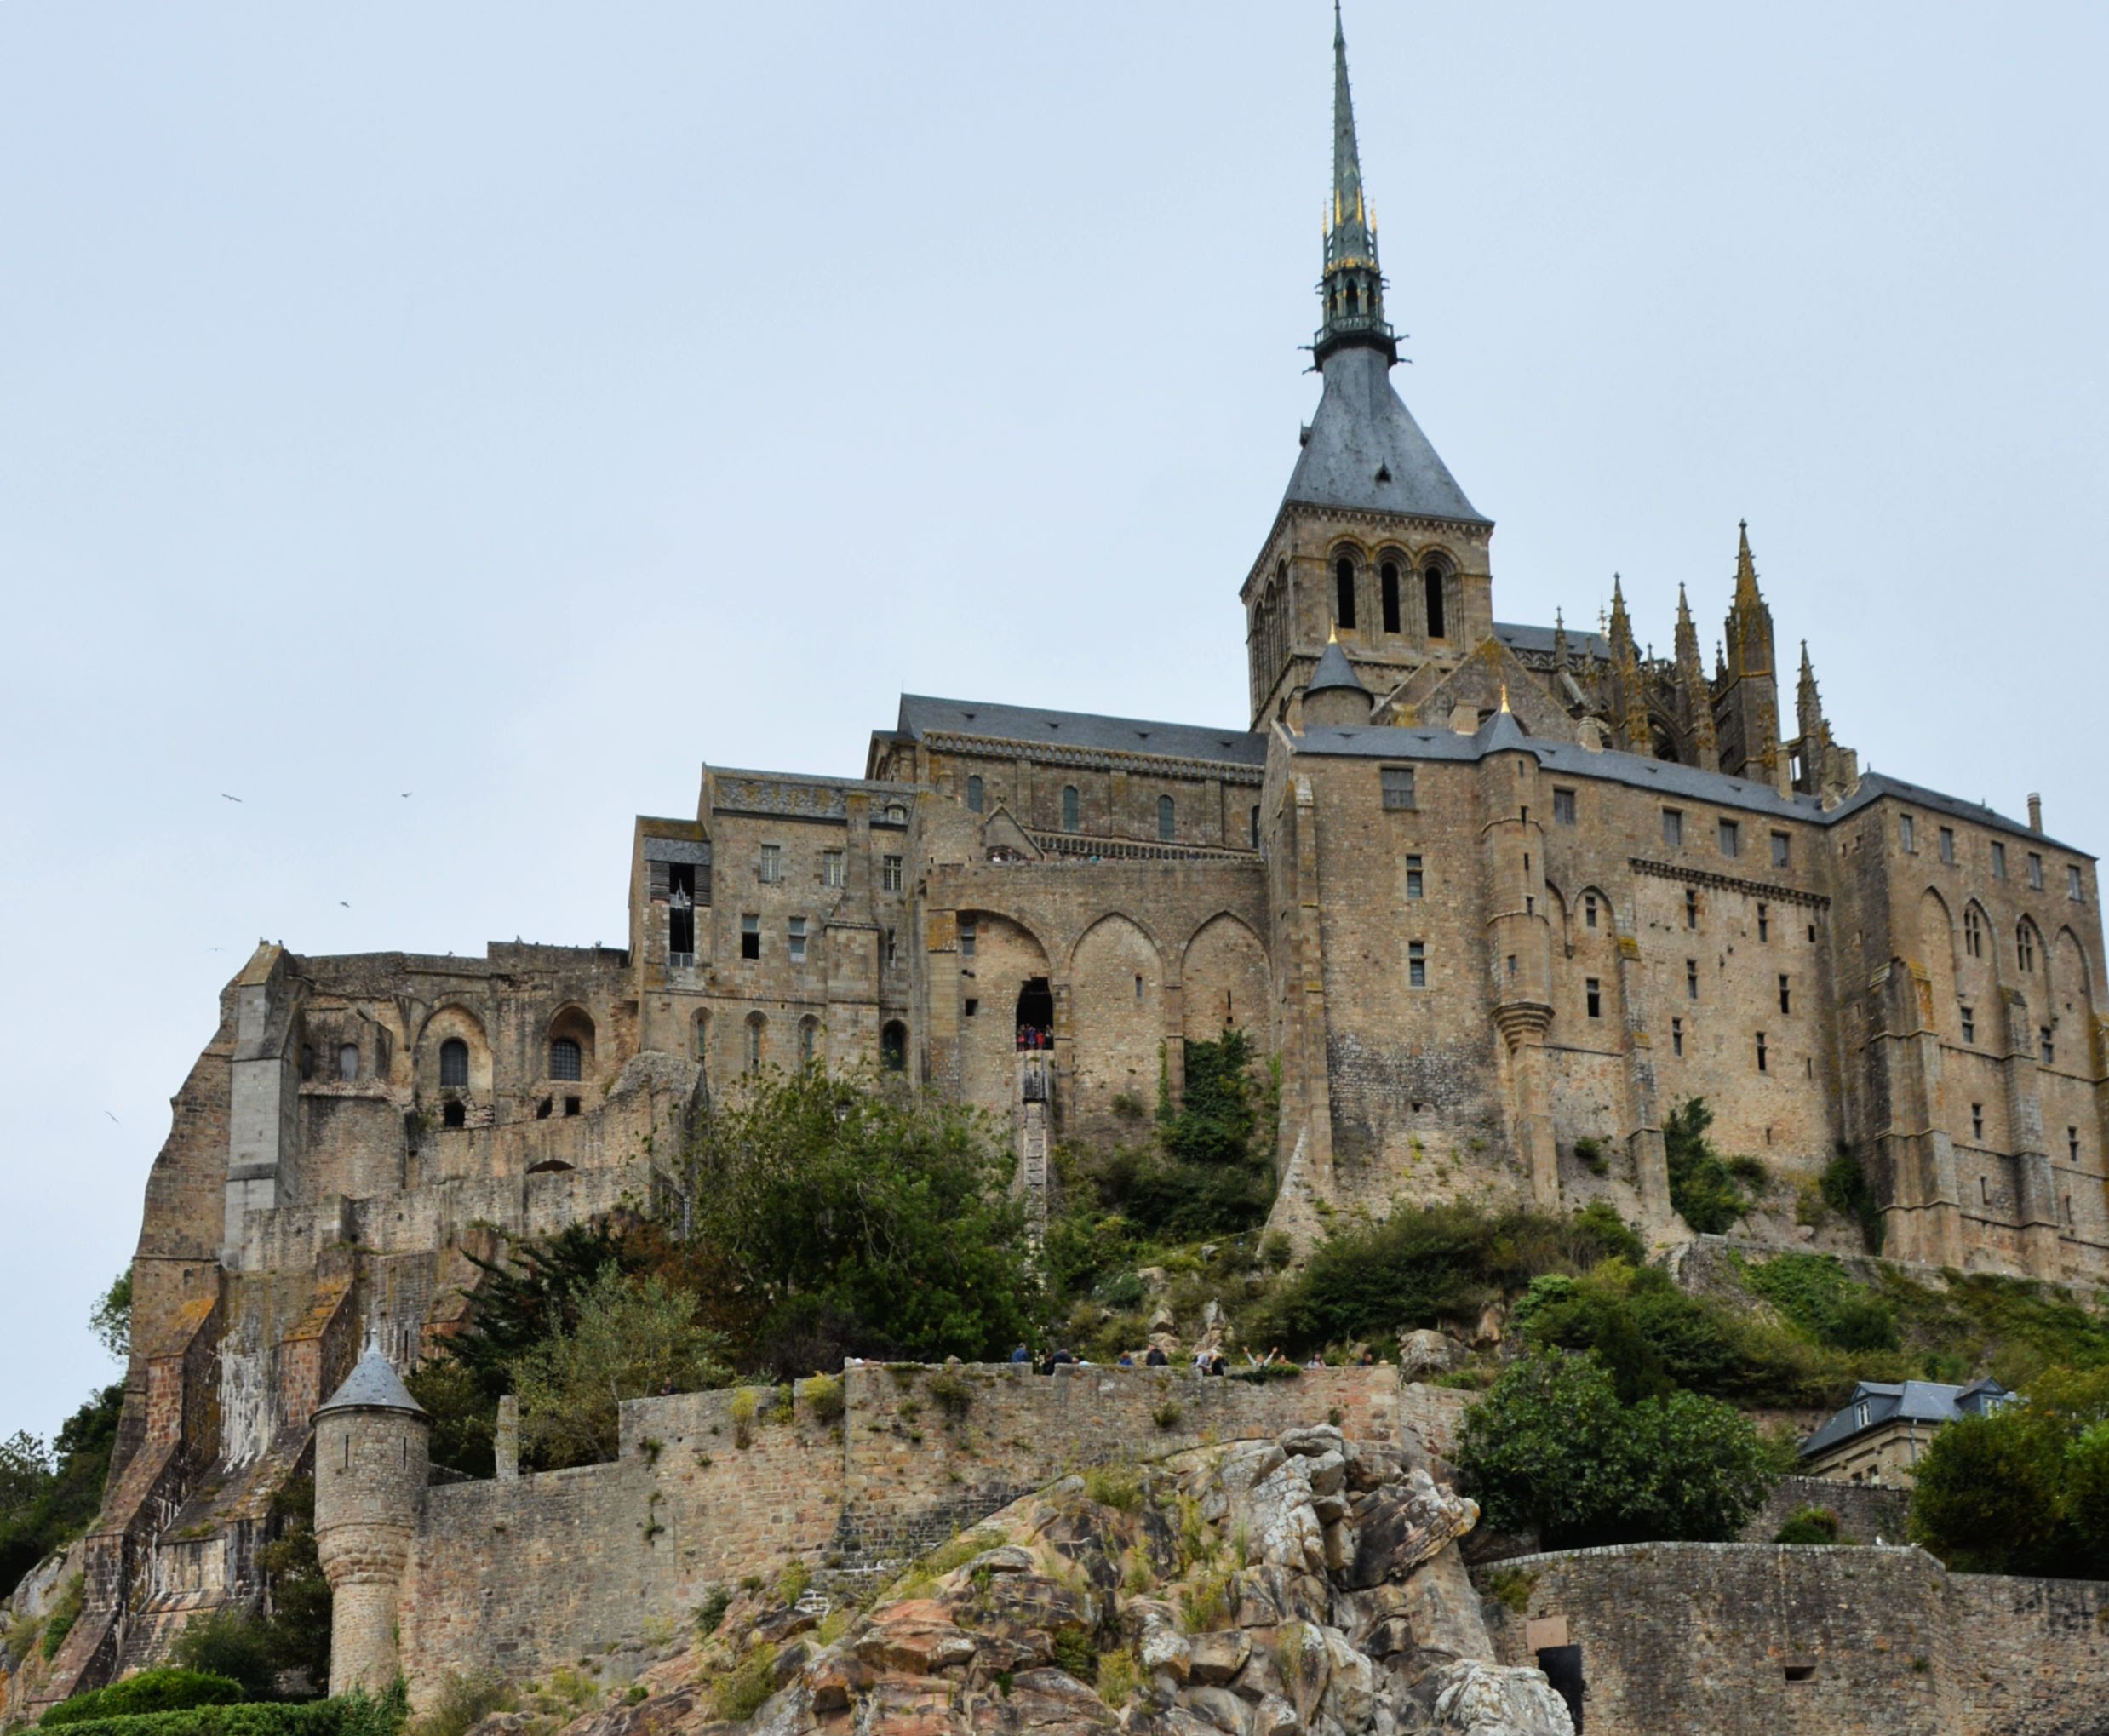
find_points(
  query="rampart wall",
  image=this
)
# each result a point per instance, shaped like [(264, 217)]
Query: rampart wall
[(517, 1576), (1770, 1640)]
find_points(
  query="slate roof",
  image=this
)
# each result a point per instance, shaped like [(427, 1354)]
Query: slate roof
[(372, 1385), (1333, 671), (1361, 429), (921, 715), (1580, 645), (1690, 782), (1905, 1401)]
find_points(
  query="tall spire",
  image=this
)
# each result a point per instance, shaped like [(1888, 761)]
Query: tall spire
[(1351, 292)]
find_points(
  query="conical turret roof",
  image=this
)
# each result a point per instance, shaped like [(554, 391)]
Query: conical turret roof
[(372, 1385), (1334, 671)]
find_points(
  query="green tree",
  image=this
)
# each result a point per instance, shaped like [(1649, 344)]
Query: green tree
[(2024, 1489), (1706, 1188), (860, 1222), (48, 1496), (1552, 1449), (628, 1337), (110, 1320)]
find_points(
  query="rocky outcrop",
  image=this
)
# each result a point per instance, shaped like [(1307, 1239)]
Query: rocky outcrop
[(1310, 1584)]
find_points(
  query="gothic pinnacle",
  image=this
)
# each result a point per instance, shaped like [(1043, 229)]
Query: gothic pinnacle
[(1351, 290)]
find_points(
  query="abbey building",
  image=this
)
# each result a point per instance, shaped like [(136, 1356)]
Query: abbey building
[(1497, 897)]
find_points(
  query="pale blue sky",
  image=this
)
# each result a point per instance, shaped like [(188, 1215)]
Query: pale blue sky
[(517, 405)]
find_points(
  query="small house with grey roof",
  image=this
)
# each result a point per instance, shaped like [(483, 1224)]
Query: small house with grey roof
[(1880, 1433)]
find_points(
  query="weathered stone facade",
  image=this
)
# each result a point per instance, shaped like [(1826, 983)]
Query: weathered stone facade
[(1495, 898), (1762, 1639)]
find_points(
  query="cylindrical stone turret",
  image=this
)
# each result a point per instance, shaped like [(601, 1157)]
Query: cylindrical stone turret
[(372, 1463)]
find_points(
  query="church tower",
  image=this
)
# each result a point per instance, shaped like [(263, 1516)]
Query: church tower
[(1374, 548)]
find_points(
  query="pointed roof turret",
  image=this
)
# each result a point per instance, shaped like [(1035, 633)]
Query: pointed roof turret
[(1334, 672), (1808, 707), (1688, 635), (1363, 450), (1559, 643), (1621, 630), (372, 1385), (1749, 621)]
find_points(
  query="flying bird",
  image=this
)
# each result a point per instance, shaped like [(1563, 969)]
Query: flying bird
[(225, 797), (113, 1118), (408, 794), (341, 901)]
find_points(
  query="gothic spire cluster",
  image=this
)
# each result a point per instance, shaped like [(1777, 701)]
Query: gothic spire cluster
[(1351, 290)]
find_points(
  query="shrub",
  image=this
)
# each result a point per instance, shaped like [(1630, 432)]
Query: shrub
[(823, 1399), (1075, 1653), (1511, 1588), (1117, 1486), (1813, 1292), (232, 1643), (744, 1692), (1809, 1525), (1277, 1251), (744, 1405), (954, 1393), (462, 1701), (1120, 1678), (349, 1717), (1167, 1414), (1552, 1448), (1426, 1266), (1704, 1186), (64, 1612), (793, 1582), (150, 1691), (1590, 1153), (1847, 1190)]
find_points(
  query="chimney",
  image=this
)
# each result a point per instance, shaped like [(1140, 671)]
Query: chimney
[(2034, 812)]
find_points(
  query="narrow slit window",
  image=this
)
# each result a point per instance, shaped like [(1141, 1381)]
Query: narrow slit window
[(974, 794), (1999, 860), (1414, 879), (2047, 1046), (1691, 908), (1593, 992), (1416, 964), (1072, 808), (1977, 1122), (1691, 979), (1390, 581), (1764, 922), (1761, 1057), (969, 933), (1969, 1025), (1947, 844), (1786, 994), (1676, 1036), (1431, 586), (1588, 910), (1907, 833), (2035, 872), (1343, 592), (1168, 819)]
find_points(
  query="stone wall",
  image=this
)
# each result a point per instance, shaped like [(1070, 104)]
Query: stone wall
[(1762, 1640), (517, 1576), (1868, 1513)]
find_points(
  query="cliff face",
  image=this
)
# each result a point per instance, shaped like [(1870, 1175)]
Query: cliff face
[(1309, 1583)]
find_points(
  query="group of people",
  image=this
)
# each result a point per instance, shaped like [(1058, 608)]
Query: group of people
[(1034, 1037), (1205, 1362)]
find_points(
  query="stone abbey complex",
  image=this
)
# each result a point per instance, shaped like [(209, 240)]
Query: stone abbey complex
[(1497, 898)]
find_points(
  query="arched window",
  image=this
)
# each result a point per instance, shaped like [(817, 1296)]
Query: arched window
[(808, 1041), (754, 1023), (1072, 808), (2024, 946), (564, 1059), (1973, 932), (974, 796), (1343, 592), (454, 1064), (893, 1046), (1431, 583), (1390, 577), (1166, 818), (347, 1060)]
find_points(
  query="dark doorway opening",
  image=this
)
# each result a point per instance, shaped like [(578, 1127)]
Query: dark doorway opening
[(893, 1047), (1563, 1665), (1035, 1014)]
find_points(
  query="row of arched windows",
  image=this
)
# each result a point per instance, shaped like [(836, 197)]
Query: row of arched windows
[(1407, 604), (1391, 596), (2027, 940)]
